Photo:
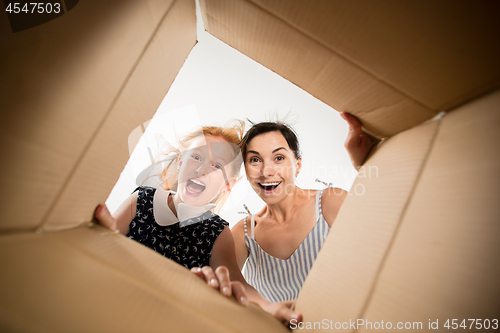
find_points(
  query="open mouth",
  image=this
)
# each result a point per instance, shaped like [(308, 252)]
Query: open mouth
[(195, 187), (269, 187)]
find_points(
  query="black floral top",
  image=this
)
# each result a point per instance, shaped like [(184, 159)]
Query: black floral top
[(190, 245)]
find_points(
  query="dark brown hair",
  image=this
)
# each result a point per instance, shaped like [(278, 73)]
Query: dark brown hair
[(272, 126)]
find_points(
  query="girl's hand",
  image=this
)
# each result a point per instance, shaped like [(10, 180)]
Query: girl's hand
[(104, 218), (220, 280), (120, 220), (357, 143)]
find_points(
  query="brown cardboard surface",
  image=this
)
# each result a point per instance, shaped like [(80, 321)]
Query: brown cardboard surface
[(438, 53), (312, 66), (422, 246), (90, 280), (143, 92), (342, 277), (61, 85), (444, 260), (391, 64)]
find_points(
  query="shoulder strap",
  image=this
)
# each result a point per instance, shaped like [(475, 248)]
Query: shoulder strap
[(252, 227), (247, 242), (245, 226), (319, 210)]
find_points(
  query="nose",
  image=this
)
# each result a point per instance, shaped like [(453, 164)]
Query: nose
[(204, 168), (268, 170)]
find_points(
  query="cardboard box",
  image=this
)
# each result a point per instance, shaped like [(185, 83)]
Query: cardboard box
[(423, 248)]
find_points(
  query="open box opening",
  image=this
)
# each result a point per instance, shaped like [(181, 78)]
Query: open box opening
[(217, 84)]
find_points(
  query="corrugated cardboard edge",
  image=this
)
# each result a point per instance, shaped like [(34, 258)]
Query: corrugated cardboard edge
[(99, 165), (443, 264), (59, 81), (326, 75), (91, 280), (349, 262)]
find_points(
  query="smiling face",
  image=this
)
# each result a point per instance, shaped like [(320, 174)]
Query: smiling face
[(271, 166), (204, 170)]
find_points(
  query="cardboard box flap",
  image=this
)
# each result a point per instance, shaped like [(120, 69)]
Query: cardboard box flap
[(91, 280), (443, 264), (391, 63), (72, 91), (425, 245), (341, 279)]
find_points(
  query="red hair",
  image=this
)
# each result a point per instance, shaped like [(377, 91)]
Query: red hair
[(231, 133)]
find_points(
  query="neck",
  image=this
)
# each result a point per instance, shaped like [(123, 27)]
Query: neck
[(280, 211), (173, 201)]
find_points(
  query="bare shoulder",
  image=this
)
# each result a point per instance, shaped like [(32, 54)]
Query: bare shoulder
[(241, 250), (331, 201), (239, 228)]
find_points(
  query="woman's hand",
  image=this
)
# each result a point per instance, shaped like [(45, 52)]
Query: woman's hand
[(357, 143), (219, 279), (283, 311)]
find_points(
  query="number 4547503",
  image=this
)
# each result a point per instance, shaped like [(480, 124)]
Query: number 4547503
[(34, 7), (471, 324)]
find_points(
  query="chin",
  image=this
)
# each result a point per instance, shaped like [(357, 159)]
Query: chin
[(192, 201)]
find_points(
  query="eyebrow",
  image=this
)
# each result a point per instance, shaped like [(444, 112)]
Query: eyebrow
[(278, 149), (257, 153)]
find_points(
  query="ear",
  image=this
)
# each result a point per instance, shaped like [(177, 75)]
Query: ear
[(298, 166)]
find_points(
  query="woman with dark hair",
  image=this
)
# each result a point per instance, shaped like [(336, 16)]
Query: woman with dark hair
[(280, 243)]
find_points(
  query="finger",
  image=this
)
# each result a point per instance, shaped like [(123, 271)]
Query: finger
[(222, 274), (198, 272), (287, 312), (210, 277), (286, 315), (289, 304), (297, 318), (104, 218), (239, 293), (352, 121)]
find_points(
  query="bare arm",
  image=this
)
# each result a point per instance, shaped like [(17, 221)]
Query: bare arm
[(229, 277), (241, 250), (331, 201)]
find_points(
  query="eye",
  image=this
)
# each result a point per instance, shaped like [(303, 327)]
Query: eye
[(279, 158), (253, 159), (196, 157), (217, 166)]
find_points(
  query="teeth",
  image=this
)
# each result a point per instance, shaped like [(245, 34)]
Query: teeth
[(270, 184), (197, 182)]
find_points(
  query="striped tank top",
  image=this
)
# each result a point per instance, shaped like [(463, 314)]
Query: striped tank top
[(281, 280)]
